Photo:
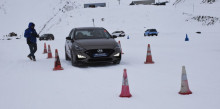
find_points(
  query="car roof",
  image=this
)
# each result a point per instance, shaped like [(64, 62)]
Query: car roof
[(84, 28), (151, 29)]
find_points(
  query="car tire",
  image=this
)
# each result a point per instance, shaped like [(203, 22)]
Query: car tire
[(66, 56)]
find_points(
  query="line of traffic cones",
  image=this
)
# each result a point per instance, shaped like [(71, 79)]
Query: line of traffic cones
[(184, 90), (57, 64)]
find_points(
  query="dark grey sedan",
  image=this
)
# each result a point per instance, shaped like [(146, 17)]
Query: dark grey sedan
[(47, 37), (91, 45)]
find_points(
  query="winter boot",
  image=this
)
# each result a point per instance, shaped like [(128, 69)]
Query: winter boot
[(29, 57), (34, 59)]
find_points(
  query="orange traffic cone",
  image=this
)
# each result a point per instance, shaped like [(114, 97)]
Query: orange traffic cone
[(120, 46), (184, 84), (49, 53), (125, 87), (149, 57), (45, 49), (57, 64)]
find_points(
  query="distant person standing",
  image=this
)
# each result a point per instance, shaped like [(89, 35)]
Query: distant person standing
[(31, 35)]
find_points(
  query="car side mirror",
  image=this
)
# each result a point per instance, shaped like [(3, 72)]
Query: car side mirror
[(114, 36), (68, 38)]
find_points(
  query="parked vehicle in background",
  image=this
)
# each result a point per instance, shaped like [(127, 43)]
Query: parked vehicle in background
[(91, 45), (46, 37), (12, 34), (150, 32), (118, 33)]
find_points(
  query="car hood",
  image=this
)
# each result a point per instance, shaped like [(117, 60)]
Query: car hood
[(97, 43)]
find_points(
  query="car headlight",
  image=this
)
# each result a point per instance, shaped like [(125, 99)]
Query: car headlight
[(80, 56), (117, 54), (78, 48)]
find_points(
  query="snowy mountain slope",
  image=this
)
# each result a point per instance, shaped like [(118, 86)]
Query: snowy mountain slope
[(25, 84), (55, 12)]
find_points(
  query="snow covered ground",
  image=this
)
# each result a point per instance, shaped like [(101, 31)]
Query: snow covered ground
[(25, 84)]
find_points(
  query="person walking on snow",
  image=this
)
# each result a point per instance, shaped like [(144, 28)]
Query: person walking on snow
[(31, 35)]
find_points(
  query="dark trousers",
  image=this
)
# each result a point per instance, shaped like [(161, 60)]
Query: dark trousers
[(33, 49)]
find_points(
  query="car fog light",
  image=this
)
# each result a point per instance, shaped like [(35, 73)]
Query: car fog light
[(118, 54), (81, 56)]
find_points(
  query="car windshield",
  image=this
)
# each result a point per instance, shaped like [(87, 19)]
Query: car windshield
[(153, 30), (91, 34)]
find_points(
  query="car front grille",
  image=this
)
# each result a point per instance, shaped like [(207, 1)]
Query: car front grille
[(100, 60), (93, 52)]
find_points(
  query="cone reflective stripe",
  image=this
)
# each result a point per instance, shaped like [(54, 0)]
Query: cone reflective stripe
[(125, 87), (149, 56), (121, 47), (184, 90), (57, 64), (45, 49), (49, 52)]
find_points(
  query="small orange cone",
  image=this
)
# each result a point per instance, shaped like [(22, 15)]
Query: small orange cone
[(49, 53), (45, 49), (184, 84), (125, 87), (149, 57), (57, 64), (120, 46)]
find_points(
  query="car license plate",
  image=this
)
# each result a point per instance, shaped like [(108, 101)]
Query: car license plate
[(100, 55)]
